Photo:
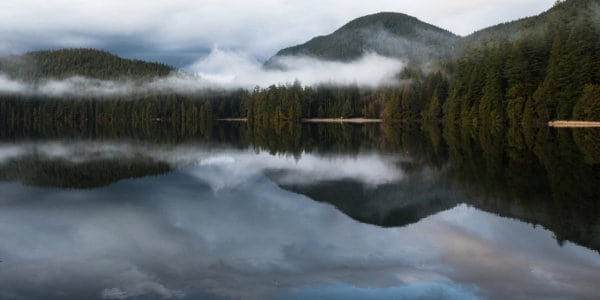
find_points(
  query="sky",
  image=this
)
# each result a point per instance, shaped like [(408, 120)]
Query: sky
[(182, 32)]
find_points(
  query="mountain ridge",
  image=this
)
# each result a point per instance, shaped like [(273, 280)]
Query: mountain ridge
[(561, 12), (69, 62), (389, 34), (386, 33), (335, 45)]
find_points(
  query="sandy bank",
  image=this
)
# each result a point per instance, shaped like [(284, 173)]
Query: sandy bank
[(233, 120), (341, 120), (316, 120), (573, 124)]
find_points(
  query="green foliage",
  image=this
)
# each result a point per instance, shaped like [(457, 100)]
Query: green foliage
[(287, 104), (60, 64), (142, 116), (588, 106), (388, 34), (526, 72)]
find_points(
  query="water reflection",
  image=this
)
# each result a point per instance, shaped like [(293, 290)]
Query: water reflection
[(34, 163), (223, 223)]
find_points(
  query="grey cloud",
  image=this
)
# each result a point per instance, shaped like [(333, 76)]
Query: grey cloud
[(235, 69), (161, 29), (224, 42)]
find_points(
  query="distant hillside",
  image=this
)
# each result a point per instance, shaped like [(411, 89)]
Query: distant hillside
[(562, 14), (529, 71), (388, 34), (59, 64)]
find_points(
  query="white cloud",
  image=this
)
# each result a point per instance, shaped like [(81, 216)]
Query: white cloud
[(259, 27), (241, 35), (223, 69), (235, 68), (88, 87), (9, 85)]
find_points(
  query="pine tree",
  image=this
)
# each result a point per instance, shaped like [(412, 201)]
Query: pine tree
[(588, 106)]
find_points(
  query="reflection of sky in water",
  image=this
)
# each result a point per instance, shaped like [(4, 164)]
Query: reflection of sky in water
[(222, 229), (370, 169)]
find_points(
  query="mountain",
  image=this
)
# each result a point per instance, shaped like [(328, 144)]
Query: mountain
[(390, 205), (64, 63), (387, 34), (566, 14), (529, 71), (402, 36)]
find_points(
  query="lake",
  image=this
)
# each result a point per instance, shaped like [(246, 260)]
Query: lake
[(314, 211)]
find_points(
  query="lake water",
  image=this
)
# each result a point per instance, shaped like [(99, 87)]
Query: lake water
[(319, 212)]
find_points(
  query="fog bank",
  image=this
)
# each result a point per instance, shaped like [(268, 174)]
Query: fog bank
[(239, 69), (221, 70)]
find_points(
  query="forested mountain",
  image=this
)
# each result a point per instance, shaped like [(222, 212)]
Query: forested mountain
[(532, 27), (525, 72), (529, 71), (387, 34), (64, 63)]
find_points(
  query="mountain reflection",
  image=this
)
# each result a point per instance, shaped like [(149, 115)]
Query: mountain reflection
[(118, 219), (178, 235)]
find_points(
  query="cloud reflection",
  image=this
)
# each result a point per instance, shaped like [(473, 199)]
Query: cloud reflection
[(177, 236), (368, 168)]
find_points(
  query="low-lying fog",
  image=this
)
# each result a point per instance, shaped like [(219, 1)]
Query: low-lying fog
[(223, 70)]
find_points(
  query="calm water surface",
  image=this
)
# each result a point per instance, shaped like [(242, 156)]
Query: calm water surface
[(359, 216)]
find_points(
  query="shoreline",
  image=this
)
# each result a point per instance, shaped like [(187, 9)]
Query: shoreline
[(342, 120), (318, 120), (573, 124), (233, 120)]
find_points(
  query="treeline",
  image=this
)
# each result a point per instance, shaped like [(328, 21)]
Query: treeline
[(408, 101), (174, 116), (552, 73), (64, 63), (282, 104)]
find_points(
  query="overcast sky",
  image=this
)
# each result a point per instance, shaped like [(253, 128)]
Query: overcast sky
[(182, 31)]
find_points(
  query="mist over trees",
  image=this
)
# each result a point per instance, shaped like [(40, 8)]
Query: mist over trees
[(522, 73), (388, 34), (525, 72)]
